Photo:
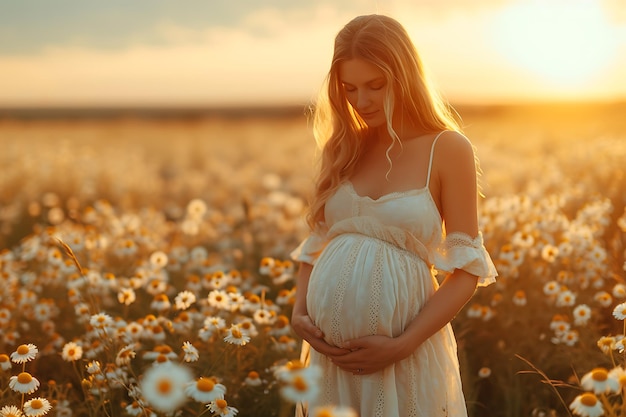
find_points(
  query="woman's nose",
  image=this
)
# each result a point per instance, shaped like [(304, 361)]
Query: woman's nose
[(363, 100)]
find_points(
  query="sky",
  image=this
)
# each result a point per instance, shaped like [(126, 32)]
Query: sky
[(277, 52)]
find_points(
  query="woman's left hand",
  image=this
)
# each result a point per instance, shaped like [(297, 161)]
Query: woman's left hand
[(369, 354)]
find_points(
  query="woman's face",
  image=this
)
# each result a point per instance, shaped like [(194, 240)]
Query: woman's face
[(365, 87)]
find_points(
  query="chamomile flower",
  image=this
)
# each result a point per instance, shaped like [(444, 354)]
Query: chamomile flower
[(160, 302), (619, 374), (158, 260), (36, 407), (126, 296), (266, 265), (191, 353), (570, 337), (263, 316), (159, 352), (582, 314), (125, 355), (24, 383), (163, 386), (565, 298), (603, 298), (205, 390), (519, 298), (10, 411), (24, 353), (72, 352), (196, 209), (549, 253), (236, 336), (281, 326), (184, 300), (5, 316), (219, 299), (221, 408), (286, 344), (619, 312), (587, 405), (300, 384), (484, 372), (134, 408), (607, 344), (619, 290), (551, 288), (5, 362), (253, 379), (599, 381), (102, 321), (93, 367), (215, 322)]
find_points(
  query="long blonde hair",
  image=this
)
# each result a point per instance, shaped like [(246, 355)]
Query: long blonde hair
[(338, 129)]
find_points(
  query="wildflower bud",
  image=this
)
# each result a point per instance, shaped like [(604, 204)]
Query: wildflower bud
[(86, 384)]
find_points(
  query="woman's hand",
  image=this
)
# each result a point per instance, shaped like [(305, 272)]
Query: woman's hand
[(369, 354), (307, 330)]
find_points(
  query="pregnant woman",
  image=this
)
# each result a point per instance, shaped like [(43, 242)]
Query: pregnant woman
[(394, 251)]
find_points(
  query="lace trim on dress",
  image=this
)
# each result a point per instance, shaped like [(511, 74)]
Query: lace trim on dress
[(309, 249), (460, 251)]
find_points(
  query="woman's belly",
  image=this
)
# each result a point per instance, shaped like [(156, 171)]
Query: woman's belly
[(363, 286)]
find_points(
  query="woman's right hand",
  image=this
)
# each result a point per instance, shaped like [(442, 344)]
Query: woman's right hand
[(308, 331)]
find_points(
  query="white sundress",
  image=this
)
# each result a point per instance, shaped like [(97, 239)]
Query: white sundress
[(373, 270)]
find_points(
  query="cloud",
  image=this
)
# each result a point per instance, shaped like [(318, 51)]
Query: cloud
[(274, 55)]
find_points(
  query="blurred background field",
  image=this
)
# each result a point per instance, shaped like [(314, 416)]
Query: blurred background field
[(553, 212), (163, 159)]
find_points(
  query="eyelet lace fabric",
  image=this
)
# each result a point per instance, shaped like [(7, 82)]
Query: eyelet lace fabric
[(460, 251)]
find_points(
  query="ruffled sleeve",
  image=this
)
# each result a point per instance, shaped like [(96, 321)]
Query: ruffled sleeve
[(310, 248), (460, 251)]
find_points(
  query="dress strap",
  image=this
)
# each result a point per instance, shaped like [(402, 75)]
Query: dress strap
[(432, 152)]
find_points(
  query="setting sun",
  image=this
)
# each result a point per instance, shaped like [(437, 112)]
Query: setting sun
[(564, 42)]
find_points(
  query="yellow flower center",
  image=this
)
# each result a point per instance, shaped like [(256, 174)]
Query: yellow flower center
[(36, 404), (253, 375), (300, 384), (24, 378), (236, 333), (205, 385), (588, 399), (4, 358), (599, 374), (163, 349), (164, 386), (71, 352), (22, 350), (221, 403), (324, 413)]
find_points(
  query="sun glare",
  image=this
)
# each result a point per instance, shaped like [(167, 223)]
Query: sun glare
[(564, 42)]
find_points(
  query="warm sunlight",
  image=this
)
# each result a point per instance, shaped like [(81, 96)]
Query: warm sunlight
[(564, 42)]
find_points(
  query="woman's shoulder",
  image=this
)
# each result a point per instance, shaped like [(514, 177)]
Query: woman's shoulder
[(453, 146)]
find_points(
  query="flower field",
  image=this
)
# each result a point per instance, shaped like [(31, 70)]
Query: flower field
[(144, 264)]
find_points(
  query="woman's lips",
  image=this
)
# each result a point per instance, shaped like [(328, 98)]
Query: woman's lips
[(369, 115)]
